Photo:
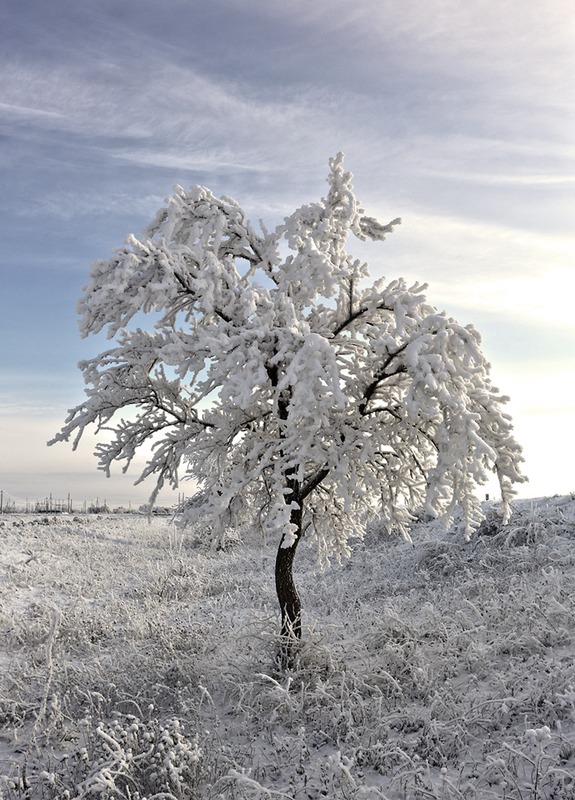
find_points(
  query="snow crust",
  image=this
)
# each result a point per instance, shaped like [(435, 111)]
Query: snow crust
[(136, 662)]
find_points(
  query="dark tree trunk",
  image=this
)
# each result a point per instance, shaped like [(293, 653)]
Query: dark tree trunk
[(288, 596), (287, 592)]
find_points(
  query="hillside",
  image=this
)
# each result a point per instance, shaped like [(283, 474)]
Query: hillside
[(136, 663)]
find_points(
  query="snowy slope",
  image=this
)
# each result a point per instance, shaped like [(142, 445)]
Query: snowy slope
[(136, 663)]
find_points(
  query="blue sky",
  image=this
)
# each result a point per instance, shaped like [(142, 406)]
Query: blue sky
[(457, 116)]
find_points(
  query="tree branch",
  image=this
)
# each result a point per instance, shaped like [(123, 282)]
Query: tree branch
[(313, 483), (380, 376), (353, 315), (189, 291)]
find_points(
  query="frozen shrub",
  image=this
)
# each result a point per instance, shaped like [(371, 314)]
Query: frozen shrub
[(129, 758)]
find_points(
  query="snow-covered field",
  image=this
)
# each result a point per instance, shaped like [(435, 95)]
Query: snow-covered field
[(136, 663)]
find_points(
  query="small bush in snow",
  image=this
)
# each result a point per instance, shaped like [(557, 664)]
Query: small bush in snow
[(127, 758)]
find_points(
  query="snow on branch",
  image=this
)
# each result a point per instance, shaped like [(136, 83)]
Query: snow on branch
[(274, 375)]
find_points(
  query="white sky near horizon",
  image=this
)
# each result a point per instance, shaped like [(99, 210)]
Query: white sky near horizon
[(459, 117)]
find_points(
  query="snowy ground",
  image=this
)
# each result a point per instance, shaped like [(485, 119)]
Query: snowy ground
[(134, 663)]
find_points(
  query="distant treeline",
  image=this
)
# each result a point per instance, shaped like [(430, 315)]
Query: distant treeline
[(50, 505)]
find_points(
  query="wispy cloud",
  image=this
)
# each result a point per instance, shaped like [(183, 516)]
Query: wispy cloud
[(74, 205), (513, 272), (530, 179), (26, 111), (174, 117)]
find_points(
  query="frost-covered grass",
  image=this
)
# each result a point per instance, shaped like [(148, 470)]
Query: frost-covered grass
[(135, 663)]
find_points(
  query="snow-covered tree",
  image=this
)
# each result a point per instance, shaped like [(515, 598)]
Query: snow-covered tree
[(283, 383)]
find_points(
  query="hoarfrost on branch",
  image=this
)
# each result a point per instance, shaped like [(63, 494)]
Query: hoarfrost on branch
[(277, 378)]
